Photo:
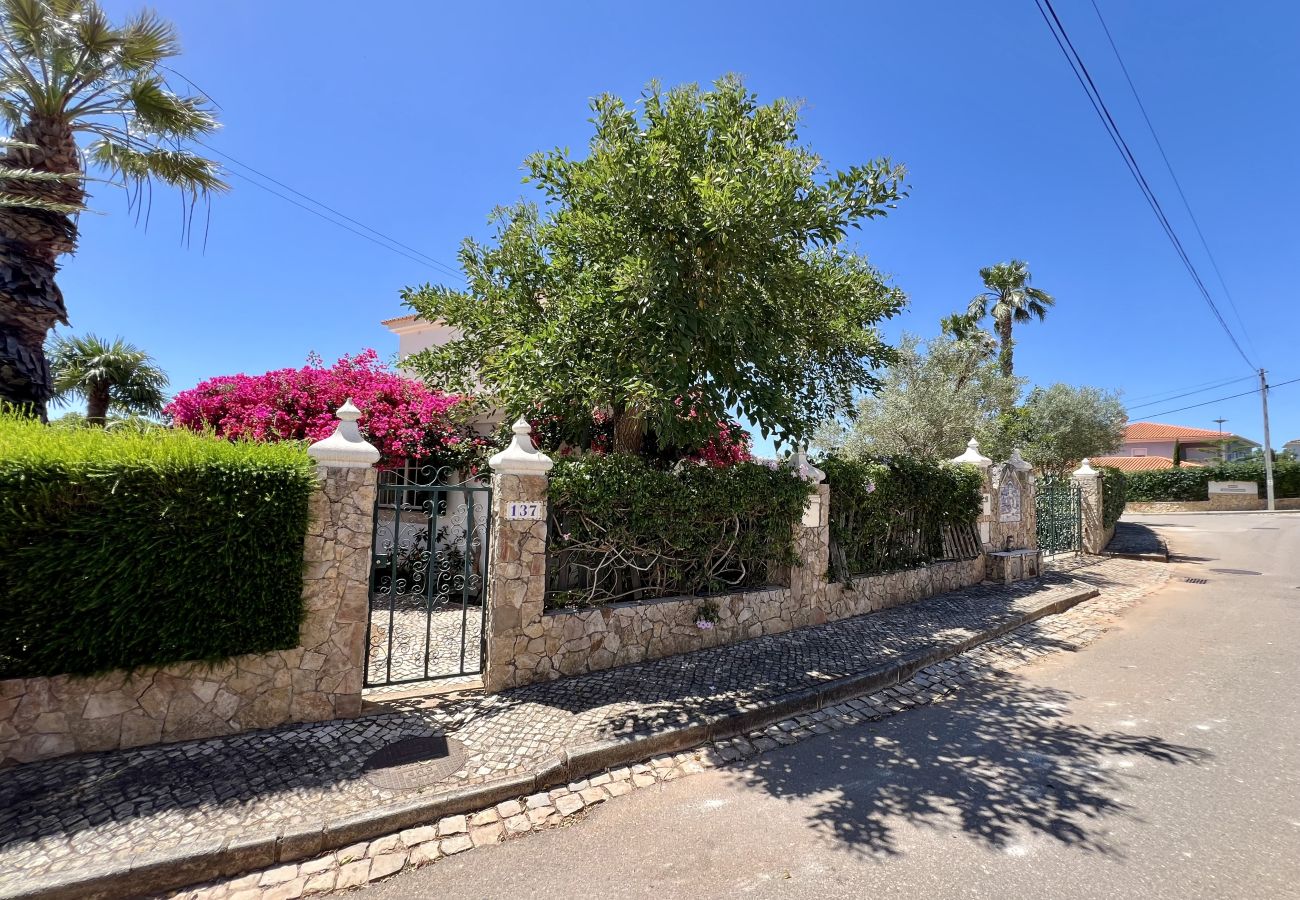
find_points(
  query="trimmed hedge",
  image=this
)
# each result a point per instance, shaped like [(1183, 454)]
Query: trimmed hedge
[(1192, 482), (622, 530), (135, 548), (1114, 494), (895, 513)]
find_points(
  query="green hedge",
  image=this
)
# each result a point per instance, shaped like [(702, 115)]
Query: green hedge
[(1192, 482), (895, 513), (1114, 494), (622, 530), (125, 549)]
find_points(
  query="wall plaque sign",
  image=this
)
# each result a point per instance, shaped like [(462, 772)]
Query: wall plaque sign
[(533, 509), (1249, 488), (1009, 498)]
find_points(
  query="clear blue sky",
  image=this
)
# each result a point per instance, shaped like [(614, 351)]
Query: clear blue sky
[(414, 118)]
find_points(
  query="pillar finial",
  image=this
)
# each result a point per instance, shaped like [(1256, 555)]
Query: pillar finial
[(521, 456), (345, 448)]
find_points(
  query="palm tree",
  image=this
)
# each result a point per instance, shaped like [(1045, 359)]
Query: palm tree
[(117, 377), (66, 71), (1012, 299)]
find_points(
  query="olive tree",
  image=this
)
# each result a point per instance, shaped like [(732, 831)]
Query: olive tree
[(692, 265), (1059, 426)]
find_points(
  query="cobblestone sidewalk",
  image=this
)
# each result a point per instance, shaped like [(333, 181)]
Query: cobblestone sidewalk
[(107, 811)]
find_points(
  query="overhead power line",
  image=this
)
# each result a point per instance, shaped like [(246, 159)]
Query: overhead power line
[(1164, 400), (1169, 167), (406, 250), (1084, 77), (1221, 399)]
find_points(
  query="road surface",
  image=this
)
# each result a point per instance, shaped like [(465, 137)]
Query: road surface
[(1161, 761)]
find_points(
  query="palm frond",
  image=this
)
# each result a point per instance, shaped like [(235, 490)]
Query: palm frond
[(164, 113), (13, 201), (147, 40), (178, 168)]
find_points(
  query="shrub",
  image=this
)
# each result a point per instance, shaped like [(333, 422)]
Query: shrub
[(623, 530), (897, 513), (1114, 494), (1192, 482), (131, 548), (401, 417)]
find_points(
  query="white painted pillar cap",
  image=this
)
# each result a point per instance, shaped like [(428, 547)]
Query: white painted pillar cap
[(973, 455), (345, 448), (521, 456)]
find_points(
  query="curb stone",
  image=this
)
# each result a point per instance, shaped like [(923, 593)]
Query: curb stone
[(229, 857)]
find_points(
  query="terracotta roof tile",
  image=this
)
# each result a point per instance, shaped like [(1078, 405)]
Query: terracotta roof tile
[(1140, 463), (1156, 431), (400, 320)]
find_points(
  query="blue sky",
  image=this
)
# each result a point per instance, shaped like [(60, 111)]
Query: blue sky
[(414, 118)]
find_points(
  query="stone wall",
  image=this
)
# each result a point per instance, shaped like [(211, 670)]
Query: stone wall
[(870, 593), (318, 679), (1238, 502)]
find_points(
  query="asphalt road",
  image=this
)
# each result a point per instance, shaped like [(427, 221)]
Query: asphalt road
[(1161, 761)]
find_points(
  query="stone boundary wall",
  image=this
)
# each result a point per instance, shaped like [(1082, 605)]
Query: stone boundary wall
[(319, 679), (1234, 502), (574, 642)]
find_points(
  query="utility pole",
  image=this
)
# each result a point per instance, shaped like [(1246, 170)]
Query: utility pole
[(1268, 446)]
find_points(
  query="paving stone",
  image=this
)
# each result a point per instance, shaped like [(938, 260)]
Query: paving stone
[(413, 837), (387, 864), (353, 874), (567, 806), (456, 844), (593, 795), (510, 808), (278, 875), (619, 788), (485, 817), (452, 825), (352, 853), (388, 844), (643, 779), (320, 883), (289, 890), (537, 801), (492, 833), (541, 815), (425, 853)]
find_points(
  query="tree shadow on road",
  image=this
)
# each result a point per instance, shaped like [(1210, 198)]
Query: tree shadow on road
[(1001, 761)]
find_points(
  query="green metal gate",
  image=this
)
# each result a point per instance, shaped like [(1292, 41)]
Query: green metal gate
[(1059, 510), (427, 582)]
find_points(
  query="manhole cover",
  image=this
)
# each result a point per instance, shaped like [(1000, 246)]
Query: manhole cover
[(414, 763), (1235, 571), (1197, 580)]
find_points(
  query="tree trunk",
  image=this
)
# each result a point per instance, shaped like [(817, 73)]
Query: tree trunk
[(97, 401), (30, 242), (629, 430), (1004, 335)]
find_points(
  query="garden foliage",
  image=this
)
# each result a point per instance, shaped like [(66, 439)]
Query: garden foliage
[(1192, 482), (624, 530), (132, 548), (898, 512), (1114, 494), (401, 417)]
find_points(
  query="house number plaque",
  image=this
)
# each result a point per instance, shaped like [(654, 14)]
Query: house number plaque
[(533, 509)]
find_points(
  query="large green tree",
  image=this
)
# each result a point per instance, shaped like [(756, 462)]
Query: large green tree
[(693, 263), (110, 376), (66, 72), (934, 398), (1058, 426), (1010, 299)]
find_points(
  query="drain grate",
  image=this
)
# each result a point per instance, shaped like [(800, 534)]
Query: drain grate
[(1197, 580), (414, 763), (1235, 571)]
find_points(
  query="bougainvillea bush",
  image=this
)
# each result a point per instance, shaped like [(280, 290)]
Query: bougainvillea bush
[(403, 418)]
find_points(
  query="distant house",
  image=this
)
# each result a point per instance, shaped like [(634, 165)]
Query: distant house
[(1292, 447), (1151, 445), (415, 334)]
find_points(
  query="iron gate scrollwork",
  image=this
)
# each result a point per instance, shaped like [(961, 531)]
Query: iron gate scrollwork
[(1059, 510), (427, 576)]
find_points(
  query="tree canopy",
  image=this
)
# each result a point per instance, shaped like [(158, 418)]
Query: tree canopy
[(111, 376), (693, 265), (1059, 426), (935, 397)]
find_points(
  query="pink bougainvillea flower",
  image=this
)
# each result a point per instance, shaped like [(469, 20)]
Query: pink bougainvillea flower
[(403, 418)]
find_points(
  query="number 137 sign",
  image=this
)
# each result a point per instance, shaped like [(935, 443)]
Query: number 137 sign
[(532, 509)]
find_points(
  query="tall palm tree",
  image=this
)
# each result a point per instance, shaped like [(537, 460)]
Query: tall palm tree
[(1012, 300), (65, 72), (117, 377)]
